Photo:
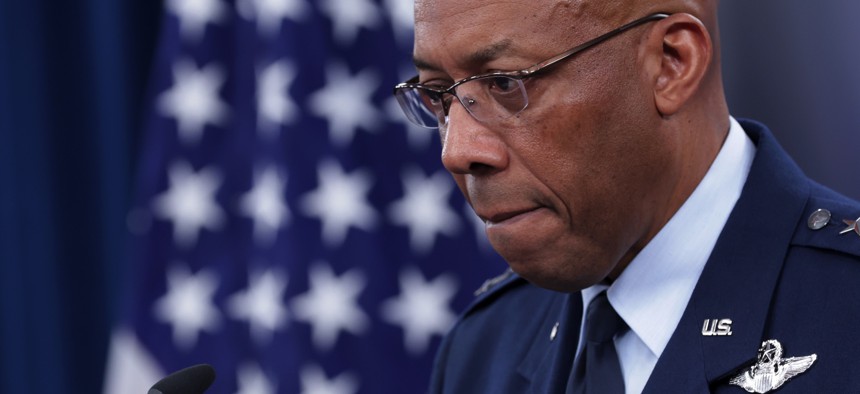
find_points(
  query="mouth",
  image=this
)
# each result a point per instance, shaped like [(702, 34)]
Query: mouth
[(506, 216)]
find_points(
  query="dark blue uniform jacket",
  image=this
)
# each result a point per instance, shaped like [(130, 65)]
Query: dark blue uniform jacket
[(772, 275)]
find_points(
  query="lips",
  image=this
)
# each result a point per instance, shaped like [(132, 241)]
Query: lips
[(502, 216)]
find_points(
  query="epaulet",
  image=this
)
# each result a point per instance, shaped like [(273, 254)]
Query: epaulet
[(494, 286), (833, 223), (495, 282)]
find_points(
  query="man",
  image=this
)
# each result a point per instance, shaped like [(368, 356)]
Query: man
[(656, 244)]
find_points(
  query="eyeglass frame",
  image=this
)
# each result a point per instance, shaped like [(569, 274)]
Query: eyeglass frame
[(520, 75)]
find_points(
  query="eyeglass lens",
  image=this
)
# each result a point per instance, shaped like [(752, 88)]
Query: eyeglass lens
[(489, 98)]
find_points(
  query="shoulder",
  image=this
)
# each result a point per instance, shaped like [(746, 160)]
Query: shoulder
[(507, 307), (819, 287), (776, 180), (505, 311), (484, 349)]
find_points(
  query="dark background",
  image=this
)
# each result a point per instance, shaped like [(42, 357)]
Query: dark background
[(72, 79)]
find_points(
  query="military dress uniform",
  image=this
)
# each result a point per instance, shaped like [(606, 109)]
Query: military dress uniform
[(776, 307)]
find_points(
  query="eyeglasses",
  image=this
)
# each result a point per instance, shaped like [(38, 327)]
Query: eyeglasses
[(489, 98)]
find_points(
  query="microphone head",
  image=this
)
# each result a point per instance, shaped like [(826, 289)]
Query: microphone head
[(192, 380)]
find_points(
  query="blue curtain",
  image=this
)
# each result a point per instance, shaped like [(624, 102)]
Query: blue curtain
[(71, 81), (793, 65)]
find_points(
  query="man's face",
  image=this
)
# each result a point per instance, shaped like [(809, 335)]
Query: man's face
[(573, 186)]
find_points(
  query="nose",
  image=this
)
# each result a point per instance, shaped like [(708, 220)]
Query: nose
[(469, 146)]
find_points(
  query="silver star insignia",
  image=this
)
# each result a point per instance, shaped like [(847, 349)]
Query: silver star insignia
[(771, 371), (853, 225)]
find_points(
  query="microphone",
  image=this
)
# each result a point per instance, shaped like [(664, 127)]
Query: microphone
[(192, 380)]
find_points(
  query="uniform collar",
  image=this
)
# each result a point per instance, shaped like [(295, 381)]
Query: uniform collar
[(653, 291)]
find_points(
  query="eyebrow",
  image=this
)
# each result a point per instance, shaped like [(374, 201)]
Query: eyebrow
[(481, 56)]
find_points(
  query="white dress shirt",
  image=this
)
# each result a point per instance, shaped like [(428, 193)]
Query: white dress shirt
[(652, 292)]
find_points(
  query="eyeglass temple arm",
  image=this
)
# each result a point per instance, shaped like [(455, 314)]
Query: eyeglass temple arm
[(588, 44)]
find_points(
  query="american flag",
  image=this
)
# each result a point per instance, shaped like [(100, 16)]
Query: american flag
[(288, 226)]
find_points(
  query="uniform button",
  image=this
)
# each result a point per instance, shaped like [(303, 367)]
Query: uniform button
[(818, 219), (554, 332)]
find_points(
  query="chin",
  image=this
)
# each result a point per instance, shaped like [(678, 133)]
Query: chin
[(557, 276), (560, 263)]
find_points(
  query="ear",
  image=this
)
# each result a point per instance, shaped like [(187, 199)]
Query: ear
[(683, 50)]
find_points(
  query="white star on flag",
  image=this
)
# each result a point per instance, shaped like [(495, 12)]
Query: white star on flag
[(188, 305), (424, 208), (261, 305), (270, 13), (346, 103), (274, 105), (193, 99), (349, 16), (422, 308), (252, 380), (340, 202), (189, 202), (314, 381), (195, 14), (265, 205), (331, 305), (402, 15)]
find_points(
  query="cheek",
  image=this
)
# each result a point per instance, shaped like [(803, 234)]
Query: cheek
[(595, 153)]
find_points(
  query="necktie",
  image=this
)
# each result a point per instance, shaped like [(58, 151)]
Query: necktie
[(597, 369)]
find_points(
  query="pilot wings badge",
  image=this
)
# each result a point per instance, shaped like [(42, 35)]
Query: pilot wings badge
[(771, 370)]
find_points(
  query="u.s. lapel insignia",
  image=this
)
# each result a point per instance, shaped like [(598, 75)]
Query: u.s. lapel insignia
[(853, 225), (771, 370), (717, 327)]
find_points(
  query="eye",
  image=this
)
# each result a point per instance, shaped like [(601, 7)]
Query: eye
[(502, 84), (433, 99)]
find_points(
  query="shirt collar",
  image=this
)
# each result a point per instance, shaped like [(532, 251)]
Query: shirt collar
[(653, 291)]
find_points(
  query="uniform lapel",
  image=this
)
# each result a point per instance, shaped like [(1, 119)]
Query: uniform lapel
[(740, 277), (548, 362)]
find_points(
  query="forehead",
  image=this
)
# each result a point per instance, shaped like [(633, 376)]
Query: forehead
[(433, 11), (455, 31)]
